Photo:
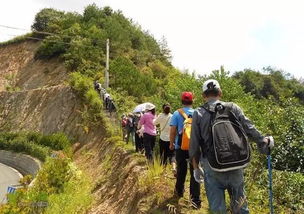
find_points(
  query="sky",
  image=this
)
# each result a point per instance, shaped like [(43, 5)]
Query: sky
[(202, 34)]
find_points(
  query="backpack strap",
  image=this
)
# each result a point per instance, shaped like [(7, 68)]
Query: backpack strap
[(227, 106), (182, 112), (165, 124), (231, 114)]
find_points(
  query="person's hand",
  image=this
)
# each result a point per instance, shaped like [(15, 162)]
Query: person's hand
[(171, 146), (269, 141), (198, 174)]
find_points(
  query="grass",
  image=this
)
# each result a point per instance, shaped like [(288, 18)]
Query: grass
[(34, 143), (16, 40), (58, 186), (73, 200)]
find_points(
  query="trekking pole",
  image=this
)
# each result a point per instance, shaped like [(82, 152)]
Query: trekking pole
[(270, 177)]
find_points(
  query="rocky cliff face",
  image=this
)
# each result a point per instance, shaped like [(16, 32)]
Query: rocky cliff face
[(47, 110), (20, 71), (34, 95)]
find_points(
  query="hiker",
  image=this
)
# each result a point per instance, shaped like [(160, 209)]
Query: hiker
[(130, 128), (106, 98), (138, 133), (181, 155), (124, 121), (102, 93), (149, 130), (111, 106), (97, 86), (163, 120), (219, 137)]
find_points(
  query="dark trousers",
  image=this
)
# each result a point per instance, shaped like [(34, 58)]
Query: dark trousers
[(130, 132), (139, 144), (149, 143), (124, 133), (182, 168), (165, 152)]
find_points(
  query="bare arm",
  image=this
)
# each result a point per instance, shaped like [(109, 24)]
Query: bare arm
[(140, 123), (173, 131), (156, 121), (194, 163)]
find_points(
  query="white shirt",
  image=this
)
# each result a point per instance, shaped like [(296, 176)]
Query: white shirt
[(99, 86), (106, 95), (164, 121)]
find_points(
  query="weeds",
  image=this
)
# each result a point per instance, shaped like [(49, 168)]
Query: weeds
[(55, 191), (35, 144), (15, 40)]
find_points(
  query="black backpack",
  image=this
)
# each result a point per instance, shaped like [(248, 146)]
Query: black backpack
[(228, 148)]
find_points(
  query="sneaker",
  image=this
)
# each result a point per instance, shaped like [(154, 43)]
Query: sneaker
[(196, 205)]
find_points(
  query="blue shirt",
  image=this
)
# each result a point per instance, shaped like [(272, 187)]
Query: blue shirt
[(178, 120)]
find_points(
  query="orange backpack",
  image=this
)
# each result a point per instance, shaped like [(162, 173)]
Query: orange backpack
[(186, 130)]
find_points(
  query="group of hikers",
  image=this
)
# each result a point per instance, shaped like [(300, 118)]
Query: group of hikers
[(141, 126), (212, 141), (106, 97)]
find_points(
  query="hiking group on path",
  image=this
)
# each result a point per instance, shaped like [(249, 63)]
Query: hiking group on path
[(212, 141), (108, 102)]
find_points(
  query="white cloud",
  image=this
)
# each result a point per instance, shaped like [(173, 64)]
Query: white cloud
[(203, 34)]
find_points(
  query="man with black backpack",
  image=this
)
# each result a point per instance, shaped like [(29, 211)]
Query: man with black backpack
[(219, 133), (180, 130)]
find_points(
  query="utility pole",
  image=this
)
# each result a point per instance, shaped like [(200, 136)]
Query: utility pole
[(107, 65)]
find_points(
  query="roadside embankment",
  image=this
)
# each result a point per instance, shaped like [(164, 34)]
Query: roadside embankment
[(25, 164)]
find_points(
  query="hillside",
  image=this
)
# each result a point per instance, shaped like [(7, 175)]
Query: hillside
[(43, 102), (34, 96), (47, 87), (20, 71)]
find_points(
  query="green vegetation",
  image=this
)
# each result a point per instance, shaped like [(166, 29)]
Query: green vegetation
[(56, 190), (56, 187), (16, 40), (140, 71), (274, 83), (34, 144)]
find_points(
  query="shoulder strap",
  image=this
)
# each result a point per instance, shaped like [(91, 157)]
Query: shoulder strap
[(182, 112), (232, 116), (228, 105), (165, 124)]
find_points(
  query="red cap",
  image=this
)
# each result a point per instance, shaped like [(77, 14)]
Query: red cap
[(187, 96)]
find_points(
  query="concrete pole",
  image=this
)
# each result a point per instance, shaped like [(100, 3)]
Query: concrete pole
[(107, 65)]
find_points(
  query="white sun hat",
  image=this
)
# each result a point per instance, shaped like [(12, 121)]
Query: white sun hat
[(211, 84), (150, 106)]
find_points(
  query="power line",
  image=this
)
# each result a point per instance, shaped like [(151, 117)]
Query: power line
[(15, 28), (42, 32), (52, 41), (34, 31)]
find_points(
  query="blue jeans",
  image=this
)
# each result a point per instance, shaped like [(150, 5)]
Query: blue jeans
[(215, 185)]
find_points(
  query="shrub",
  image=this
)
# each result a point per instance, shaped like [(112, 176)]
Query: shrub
[(80, 82), (46, 18), (34, 143), (54, 174), (57, 184), (19, 143), (57, 141), (51, 47)]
